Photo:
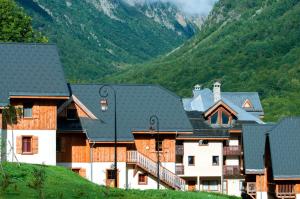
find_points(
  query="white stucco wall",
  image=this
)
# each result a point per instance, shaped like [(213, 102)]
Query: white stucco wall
[(261, 195), (232, 161), (46, 147), (233, 187), (297, 196), (233, 142), (169, 165), (203, 159)]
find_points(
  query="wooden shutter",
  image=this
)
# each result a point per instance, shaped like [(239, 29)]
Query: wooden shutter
[(63, 144), (35, 144), (19, 145), (82, 172)]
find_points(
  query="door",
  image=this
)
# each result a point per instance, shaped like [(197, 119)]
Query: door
[(191, 185), (110, 178)]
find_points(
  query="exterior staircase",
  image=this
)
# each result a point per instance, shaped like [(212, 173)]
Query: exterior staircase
[(165, 175)]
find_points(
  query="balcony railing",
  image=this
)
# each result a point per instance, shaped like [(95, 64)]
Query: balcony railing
[(232, 150), (179, 150), (285, 191), (251, 188), (179, 169), (231, 170)]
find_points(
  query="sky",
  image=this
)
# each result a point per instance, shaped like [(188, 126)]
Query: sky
[(200, 7)]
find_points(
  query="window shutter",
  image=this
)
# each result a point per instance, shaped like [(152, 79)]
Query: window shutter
[(35, 144), (82, 172), (62, 144), (19, 145)]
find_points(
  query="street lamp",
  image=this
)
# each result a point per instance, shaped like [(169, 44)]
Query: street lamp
[(154, 126), (104, 91)]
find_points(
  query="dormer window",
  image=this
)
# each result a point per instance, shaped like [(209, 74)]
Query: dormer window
[(220, 117), (247, 104)]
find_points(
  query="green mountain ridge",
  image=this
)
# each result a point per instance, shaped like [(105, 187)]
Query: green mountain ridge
[(248, 45), (97, 37)]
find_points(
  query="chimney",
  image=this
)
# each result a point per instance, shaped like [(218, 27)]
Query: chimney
[(217, 91), (196, 90)]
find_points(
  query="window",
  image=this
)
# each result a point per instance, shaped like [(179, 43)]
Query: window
[(158, 145), (191, 160), (110, 174), (214, 118), (215, 160), (142, 179), (225, 118), (210, 185), (72, 114), (203, 142), (220, 117), (58, 144), (27, 144), (76, 170), (27, 110)]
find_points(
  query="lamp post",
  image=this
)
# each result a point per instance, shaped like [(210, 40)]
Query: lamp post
[(104, 94), (154, 126)]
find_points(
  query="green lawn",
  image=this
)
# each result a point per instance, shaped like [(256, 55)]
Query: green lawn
[(62, 183)]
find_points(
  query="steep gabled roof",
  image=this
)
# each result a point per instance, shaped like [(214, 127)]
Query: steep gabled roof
[(254, 137), (30, 70), (284, 144), (135, 105)]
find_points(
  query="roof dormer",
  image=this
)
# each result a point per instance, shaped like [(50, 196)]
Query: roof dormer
[(247, 104)]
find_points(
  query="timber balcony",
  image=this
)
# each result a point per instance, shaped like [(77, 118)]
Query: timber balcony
[(165, 175), (285, 191), (232, 150), (179, 169), (179, 150), (251, 189), (231, 170)]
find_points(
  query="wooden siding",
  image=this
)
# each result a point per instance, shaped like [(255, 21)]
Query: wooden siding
[(261, 183), (1, 121), (74, 148), (145, 144), (44, 114)]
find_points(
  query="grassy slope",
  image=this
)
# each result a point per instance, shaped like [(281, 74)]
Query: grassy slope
[(248, 45), (63, 183)]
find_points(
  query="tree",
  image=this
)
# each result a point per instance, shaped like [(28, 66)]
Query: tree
[(15, 25)]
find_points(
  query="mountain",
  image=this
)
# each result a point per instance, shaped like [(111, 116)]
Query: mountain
[(97, 37), (250, 45)]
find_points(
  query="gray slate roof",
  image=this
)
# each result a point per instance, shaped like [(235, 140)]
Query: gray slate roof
[(254, 137), (238, 98), (285, 147), (31, 70), (135, 105)]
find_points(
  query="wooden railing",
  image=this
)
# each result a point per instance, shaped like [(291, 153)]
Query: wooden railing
[(232, 150), (150, 166), (231, 170), (251, 189), (179, 169), (285, 191), (179, 150)]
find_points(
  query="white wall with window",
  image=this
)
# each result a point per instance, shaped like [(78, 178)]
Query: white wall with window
[(203, 158)]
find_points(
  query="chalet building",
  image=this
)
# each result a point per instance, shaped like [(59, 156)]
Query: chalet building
[(211, 158), (272, 159), (85, 139), (32, 80)]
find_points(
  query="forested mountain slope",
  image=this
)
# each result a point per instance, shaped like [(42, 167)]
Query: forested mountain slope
[(250, 45), (96, 37)]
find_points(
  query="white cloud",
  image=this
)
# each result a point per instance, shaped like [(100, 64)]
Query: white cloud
[(201, 7)]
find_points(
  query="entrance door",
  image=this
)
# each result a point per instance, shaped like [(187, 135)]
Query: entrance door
[(110, 178), (192, 185)]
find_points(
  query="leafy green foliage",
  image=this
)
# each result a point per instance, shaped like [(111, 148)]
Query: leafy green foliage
[(64, 184), (15, 25), (248, 45), (92, 44)]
